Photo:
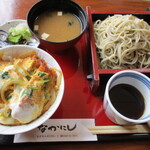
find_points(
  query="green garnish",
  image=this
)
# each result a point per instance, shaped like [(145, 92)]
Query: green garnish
[(14, 39), (70, 23), (9, 97), (28, 77), (33, 87), (19, 34), (31, 93), (5, 75), (9, 114), (44, 81), (41, 74), (27, 92)]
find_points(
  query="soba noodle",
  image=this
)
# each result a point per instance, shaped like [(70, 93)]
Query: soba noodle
[(122, 41)]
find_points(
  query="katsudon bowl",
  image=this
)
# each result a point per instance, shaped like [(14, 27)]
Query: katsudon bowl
[(63, 8), (10, 52)]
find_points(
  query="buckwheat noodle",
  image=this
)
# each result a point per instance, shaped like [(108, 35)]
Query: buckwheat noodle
[(122, 41)]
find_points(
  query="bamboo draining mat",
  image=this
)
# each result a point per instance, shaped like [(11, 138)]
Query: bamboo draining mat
[(144, 128)]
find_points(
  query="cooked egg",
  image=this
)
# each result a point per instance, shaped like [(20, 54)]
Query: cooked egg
[(27, 90), (26, 112)]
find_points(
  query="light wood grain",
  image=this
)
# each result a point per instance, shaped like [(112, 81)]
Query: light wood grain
[(119, 129)]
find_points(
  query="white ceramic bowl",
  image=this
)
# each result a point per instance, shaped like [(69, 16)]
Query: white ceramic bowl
[(4, 29), (13, 51)]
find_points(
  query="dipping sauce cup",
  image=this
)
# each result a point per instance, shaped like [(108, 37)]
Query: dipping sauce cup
[(127, 98)]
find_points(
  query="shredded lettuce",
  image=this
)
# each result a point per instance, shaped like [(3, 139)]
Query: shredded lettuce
[(19, 34)]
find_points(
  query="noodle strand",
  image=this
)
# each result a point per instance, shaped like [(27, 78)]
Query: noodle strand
[(122, 41)]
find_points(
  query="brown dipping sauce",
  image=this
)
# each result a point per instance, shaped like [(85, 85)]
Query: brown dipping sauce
[(127, 100)]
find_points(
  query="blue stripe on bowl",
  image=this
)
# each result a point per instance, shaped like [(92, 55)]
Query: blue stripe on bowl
[(135, 76)]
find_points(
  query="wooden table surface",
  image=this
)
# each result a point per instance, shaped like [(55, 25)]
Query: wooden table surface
[(18, 9)]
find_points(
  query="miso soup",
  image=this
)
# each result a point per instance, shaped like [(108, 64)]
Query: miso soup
[(57, 26)]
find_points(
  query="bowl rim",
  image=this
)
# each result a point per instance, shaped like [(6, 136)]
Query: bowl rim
[(13, 20), (11, 130)]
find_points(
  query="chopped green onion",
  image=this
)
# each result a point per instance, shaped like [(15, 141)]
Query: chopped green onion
[(44, 81), (28, 77), (9, 114), (5, 75), (33, 87), (9, 97), (31, 93), (25, 91), (41, 74)]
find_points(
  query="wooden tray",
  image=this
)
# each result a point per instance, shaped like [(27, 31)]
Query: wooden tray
[(78, 100)]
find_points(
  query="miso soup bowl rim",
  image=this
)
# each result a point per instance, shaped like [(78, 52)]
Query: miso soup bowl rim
[(114, 109), (83, 25)]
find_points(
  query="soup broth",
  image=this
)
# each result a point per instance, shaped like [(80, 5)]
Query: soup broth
[(57, 26)]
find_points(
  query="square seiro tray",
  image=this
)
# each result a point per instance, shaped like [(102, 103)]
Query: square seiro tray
[(98, 75)]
